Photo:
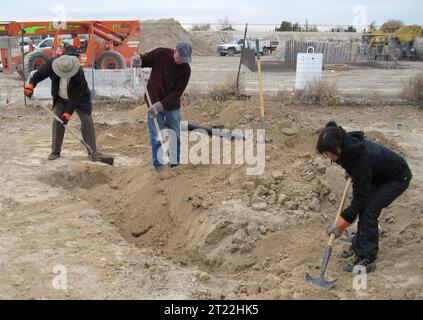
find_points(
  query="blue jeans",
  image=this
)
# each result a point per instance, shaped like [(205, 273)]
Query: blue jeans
[(172, 119)]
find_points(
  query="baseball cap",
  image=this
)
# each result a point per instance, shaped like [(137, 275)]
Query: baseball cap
[(184, 50)]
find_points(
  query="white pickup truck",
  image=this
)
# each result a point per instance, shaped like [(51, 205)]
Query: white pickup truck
[(234, 46)]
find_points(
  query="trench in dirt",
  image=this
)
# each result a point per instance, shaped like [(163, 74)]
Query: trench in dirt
[(220, 220)]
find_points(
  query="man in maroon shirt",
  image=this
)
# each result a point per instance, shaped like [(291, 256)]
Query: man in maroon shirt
[(169, 77)]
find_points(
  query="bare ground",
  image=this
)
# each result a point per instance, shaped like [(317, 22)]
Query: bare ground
[(203, 231)]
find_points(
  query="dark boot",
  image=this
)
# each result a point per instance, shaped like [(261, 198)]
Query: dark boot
[(363, 262), (345, 254), (53, 156)]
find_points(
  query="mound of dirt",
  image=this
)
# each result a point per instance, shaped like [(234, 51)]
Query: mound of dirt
[(217, 217), (167, 33), (265, 231), (381, 139)]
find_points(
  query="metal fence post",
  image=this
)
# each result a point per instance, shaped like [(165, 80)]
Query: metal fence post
[(240, 62)]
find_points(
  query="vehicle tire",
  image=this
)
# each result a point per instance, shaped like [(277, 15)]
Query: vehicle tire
[(266, 51), (222, 54), (231, 52), (111, 60), (33, 60)]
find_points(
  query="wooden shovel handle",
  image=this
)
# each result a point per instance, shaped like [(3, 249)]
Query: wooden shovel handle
[(341, 206)]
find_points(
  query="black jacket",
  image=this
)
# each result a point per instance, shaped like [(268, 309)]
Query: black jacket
[(78, 91), (369, 164)]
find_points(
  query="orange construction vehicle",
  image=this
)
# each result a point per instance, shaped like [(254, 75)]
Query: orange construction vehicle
[(104, 44)]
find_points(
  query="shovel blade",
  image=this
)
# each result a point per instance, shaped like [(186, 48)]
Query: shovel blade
[(107, 160), (321, 282)]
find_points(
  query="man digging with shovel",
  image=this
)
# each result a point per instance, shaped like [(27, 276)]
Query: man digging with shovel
[(70, 93), (170, 73), (379, 176)]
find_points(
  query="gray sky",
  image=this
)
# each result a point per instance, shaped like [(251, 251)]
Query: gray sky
[(323, 12)]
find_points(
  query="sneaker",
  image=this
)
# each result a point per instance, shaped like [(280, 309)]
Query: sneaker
[(159, 169), (345, 254), (363, 262), (53, 156)]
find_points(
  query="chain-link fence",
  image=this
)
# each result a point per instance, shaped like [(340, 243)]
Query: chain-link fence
[(223, 58)]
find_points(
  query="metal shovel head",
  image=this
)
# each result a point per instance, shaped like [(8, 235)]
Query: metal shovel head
[(107, 160), (103, 158), (321, 282)]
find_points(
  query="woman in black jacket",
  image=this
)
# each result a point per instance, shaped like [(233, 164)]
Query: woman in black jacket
[(379, 176)]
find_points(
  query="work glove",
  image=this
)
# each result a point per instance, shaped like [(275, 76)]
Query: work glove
[(155, 109), (338, 228), (333, 229), (137, 61), (66, 118), (29, 90)]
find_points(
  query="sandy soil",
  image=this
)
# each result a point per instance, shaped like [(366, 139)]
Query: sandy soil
[(202, 231)]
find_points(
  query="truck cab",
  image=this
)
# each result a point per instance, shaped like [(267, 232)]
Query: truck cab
[(234, 46), (231, 47)]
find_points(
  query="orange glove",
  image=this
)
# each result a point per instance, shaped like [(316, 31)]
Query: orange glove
[(66, 118), (29, 90), (341, 223)]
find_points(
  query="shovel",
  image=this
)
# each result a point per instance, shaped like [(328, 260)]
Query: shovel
[(156, 124), (321, 281), (261, 99), (102, 158)]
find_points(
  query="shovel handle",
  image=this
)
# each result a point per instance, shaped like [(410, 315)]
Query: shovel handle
[(341, 207), (156, 124)]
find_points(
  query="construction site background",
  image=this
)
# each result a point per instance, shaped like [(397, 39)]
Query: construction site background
[(348, 72)]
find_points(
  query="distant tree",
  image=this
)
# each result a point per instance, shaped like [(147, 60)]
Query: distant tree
[(296, 27), (391, 25), (338, 29), (285, 26), (351, 29), (201, 27), (289, 26)]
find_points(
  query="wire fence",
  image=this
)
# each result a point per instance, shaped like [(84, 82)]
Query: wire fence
[(221, 58)]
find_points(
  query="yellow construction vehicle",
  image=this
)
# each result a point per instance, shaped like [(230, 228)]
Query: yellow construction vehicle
[(373, 44), (394, 43), (401, 42)]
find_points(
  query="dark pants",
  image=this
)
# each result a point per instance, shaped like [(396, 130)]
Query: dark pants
[(87, 128), (366, 241)]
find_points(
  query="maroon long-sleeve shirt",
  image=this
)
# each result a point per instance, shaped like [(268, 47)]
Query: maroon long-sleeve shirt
[(168, 80)]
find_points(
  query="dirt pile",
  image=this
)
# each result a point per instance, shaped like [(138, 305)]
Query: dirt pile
[(243, 236), (213, 216), (167, 33)]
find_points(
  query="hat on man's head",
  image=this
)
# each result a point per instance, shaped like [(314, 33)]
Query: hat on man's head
[(66, 66), (184, 50)]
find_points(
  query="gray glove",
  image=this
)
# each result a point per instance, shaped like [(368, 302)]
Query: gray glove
[(137, 61), (155, 109), (333, 229)]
